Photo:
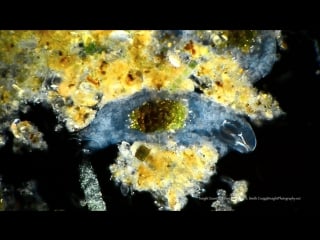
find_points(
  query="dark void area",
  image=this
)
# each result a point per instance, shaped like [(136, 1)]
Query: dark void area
[(278, 168), (55, 170)]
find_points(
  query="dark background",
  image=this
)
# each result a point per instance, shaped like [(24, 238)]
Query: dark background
[(281, 165)]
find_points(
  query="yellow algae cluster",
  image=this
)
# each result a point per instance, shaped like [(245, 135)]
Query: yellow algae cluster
[(78, 72), (170, 173), (81, 70), (26, 134), (228, 85)]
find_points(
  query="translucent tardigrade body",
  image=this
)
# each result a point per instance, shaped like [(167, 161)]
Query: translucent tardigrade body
[(206, 121)]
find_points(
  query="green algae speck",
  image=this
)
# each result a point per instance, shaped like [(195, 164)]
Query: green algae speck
[(243, 39)]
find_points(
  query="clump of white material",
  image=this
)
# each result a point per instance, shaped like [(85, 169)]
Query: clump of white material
[(239, 194), (239, 191), (222, 203), (120, 35), (91, 188), (3, 140), (174, 60)]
